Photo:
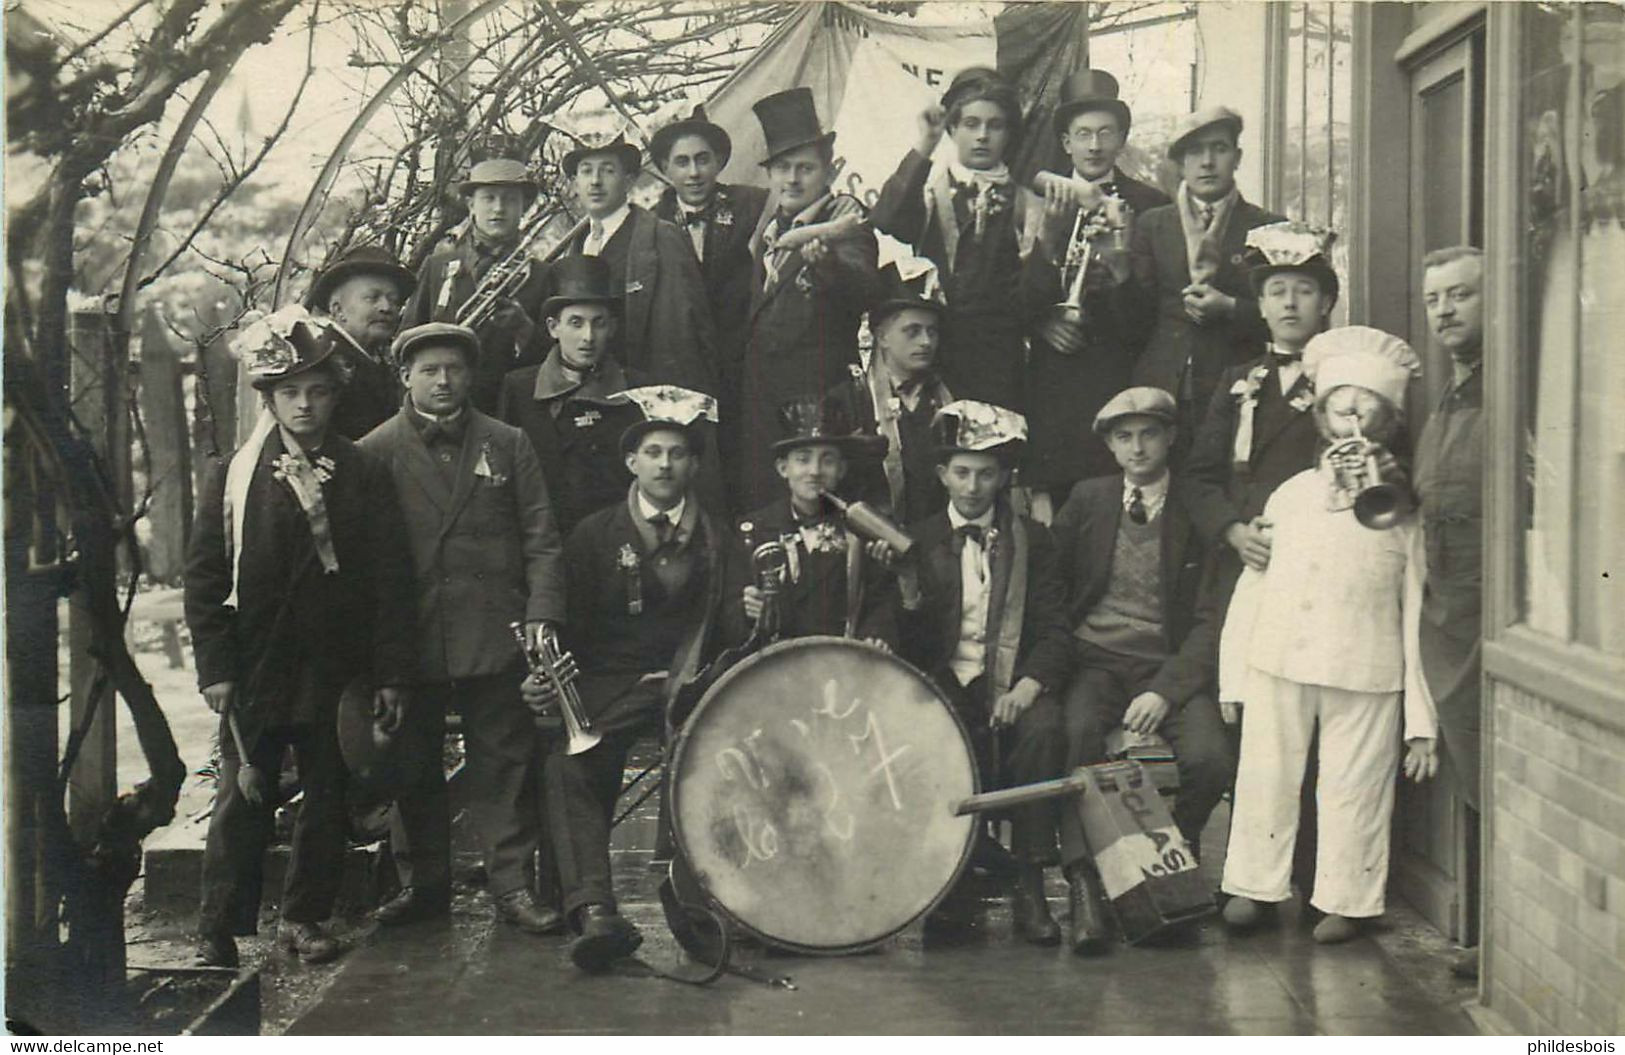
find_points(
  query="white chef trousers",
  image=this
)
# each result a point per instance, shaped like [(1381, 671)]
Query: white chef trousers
[(1359, 759)]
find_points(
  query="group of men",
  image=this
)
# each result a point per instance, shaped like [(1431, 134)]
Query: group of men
[(600, 456)]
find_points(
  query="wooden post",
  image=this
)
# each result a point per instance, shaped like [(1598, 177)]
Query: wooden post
[(169, 470), (98, 400)]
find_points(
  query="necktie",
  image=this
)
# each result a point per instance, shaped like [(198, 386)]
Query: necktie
[(1207, 215), (1136, 506), (595, 239), (663, 529)]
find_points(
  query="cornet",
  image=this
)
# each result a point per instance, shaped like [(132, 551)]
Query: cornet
[(1063, 328), (550, 664), (1378, 504)]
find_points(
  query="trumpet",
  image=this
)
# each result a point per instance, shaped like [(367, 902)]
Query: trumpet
[(550, 664), (1063, 329), (508, 276), (1378, 503), (769, 561)]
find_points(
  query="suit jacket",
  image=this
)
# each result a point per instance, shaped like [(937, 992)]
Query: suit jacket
[(484, 545), (448, 279), (371, 396), (803, 333), (667, 332), (733, 214), (1086, 539), (815, 602), (1285, 442), (294, 628), (931, 630), (1172, 344), (576, 432)]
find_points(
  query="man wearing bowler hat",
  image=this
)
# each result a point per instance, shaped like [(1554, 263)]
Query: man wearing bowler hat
[(298, 581), (666, 331), (361, 293), (497, 194), (807, 296), (1066, 386), (719, 219), (486, 555), (1196, 307)]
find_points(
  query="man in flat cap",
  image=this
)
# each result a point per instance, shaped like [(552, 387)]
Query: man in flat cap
[(486, 555), (809, 290), (1132, 562), (666, 329), (497, 193), (719, 219), (361, 293), (1189, 281)]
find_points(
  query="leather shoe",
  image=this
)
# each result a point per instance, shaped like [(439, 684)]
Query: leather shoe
[(606, 936), (1088, 931), (1033, 921), (516, 908), (413, 904), (308, 942), (219, 950)]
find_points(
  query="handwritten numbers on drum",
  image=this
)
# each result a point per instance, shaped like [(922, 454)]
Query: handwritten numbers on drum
[(840, 831), (736, 765), (761, 839)]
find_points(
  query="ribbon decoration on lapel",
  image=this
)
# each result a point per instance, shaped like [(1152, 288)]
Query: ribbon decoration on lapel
[(633, 569), (305, 479)]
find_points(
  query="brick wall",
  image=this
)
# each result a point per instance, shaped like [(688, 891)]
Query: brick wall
[(1557, 902)]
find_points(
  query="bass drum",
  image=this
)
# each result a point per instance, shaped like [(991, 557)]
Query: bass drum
[(812, 795)]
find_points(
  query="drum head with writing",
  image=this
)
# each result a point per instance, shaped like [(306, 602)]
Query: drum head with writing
[(812, 792)]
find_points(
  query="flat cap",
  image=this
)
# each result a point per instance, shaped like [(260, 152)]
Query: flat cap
[(1142, 399), (437, 333), (1193, 123)]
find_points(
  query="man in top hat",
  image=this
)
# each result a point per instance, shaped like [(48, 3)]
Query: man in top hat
[(829, 583), (1132, 562), (898, 395), (986, 619), (1067, 385), (297, 581), (568, 405), (719, 219), (496, 194), (645, 583), (976, 223), (486, 554), (666, 330), (809, 291), (1196, 308), (362, 293)]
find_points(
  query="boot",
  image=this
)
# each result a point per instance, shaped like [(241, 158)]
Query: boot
[(308, 942), (413, 904), (219, 950), (1089, 930), (606, 936), (1031, 908), (516, 908)]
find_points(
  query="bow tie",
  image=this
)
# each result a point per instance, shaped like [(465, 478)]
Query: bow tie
[(697, 218), (972, 532), (435, 432), (1285, 357)]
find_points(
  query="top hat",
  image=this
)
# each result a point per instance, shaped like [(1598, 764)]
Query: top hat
[(442, 334), (665, 407), (498, 172), (1362, 356), (1290, 246), (579, 279), (1193, 123), (811, 421), (1142, 400), (789, 120), (358, 260), (912, 282), (696, 124), (1090, 90), (285, 344), (971, 425)]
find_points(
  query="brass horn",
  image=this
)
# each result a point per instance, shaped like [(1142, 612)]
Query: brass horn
[(1378, 503), (550, 664)]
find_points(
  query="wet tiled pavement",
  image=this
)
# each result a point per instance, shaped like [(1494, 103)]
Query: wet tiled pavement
[(467, 976)]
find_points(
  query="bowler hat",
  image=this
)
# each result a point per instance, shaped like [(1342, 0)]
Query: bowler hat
[(286, 344), (811, 421), (1290, 246), (630, 156), (580, 279), (1193, 123), (1090, 90), (441, 334), (908, 283), (498, 172), (1143, 400), (358, 260), (696, 124), (789, 120)]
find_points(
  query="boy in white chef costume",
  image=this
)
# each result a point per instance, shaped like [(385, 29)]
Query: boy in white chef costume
[(1325, 642)]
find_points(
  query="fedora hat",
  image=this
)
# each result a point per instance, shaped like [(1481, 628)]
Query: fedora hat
[(1193, 123), (358, 260), (789, 120), (286, 344), (1087, 90), (811, 421), (498, 172), (696, 124), (580, 280), (630, 156)]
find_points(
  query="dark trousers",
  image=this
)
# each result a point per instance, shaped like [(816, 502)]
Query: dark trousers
[(1031, 750), (581, 790), (1106, 683), (239, 831), (499, 739)]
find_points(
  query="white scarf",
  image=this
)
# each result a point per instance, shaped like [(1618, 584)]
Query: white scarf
[(1202, 242), (939, 200)]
